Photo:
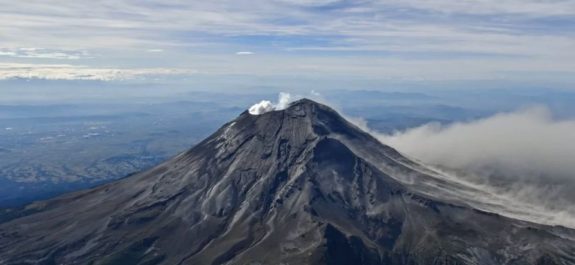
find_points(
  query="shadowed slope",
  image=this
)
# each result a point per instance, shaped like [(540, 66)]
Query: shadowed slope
[(298, 186)]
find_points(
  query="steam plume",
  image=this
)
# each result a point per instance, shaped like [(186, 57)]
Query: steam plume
[(525, 157), (266, 106), (525, 143)]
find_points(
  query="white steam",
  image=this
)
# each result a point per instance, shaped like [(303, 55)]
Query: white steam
[(266, 106), (526, 143), (523, 161), (283, 101), (261, 107)]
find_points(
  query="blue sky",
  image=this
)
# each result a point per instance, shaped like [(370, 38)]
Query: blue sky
[(395, 40)]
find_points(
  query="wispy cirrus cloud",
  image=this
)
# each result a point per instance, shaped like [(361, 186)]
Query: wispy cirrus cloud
[(74, 72), (469, 35), (244, 53), (41, 53), (532, 8)]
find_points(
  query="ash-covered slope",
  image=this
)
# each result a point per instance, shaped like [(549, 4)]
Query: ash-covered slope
[(298, 186)]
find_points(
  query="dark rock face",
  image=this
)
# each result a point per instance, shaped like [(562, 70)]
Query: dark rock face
[(298, 186)]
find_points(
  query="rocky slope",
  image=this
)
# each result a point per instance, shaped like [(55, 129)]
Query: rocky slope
[(297, 186)]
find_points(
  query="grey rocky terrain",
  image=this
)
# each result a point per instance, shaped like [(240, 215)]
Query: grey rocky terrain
[(296, 186)]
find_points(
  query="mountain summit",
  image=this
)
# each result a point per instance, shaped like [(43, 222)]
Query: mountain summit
[(295, 186)]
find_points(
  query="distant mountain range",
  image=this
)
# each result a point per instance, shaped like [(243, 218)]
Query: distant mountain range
[(296, 186)]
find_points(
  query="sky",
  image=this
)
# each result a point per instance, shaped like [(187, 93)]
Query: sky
[(394, 40)]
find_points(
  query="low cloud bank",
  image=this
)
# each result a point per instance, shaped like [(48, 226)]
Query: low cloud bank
[(526, 157), (264, 106), (528, 143)]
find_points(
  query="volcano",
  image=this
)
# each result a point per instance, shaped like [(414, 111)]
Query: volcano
[(294, 186)]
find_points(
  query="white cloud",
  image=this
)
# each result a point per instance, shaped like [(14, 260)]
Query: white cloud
[(519, 164), (244, 53), (72, 72), (526, 143), (41, 53), (522, 163), (155, 50), (310, 3), (373, 35), (526, 7)]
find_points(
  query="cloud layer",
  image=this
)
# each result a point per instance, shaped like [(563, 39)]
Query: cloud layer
[(41, 53), (520, 164), (76, 72), (526, 143), (392, 39)]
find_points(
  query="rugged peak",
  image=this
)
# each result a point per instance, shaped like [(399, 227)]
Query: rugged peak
[(298, 107), (294, 186), (301, 116), (312, 109), (308, 104)]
